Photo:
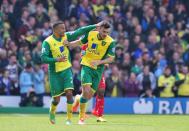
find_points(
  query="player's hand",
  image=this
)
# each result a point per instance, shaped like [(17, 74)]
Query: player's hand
[(61, 59), (106, 65), (95, 63), (66, 43), (99, 24)]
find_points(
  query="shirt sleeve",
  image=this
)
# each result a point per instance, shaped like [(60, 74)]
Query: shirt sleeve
[(73, 35), (111, 49), (45, 54), (84, 39)]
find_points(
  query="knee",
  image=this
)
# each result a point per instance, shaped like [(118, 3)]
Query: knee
[(89, 96), (87, 93), (69, 96), (56, 100)]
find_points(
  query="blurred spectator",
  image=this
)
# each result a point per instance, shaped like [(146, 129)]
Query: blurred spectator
[(174, 62), (32, 5), (125, 45), (186, 57), (166, 83), (135, 42), (84, 11), (161, 64), (21, 23), (146, 58), (147, 82), (137, 68), (36, 53), (73, 9), (114, 86), (140, 49), (182, 82), (27, 58), (98, 7), (2, 90), (26, 84), (11, 47), (6, 84), (40, 15), (38, 82), (170, 38), (149, 20), (62, 7), (3, 59), (111, 5), (132, 86), (119, 55), (46, 31), (126, 65), (12, 69), (153, 43)]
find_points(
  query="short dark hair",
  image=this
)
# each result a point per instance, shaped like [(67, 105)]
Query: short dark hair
[(105, 24), (168, 67), (38, 63), (28, 65), (13, 54), (55, 24)]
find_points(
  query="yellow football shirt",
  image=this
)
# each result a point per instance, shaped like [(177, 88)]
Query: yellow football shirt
[(97, 49), (58, 50), (183, 89), (169, 82)]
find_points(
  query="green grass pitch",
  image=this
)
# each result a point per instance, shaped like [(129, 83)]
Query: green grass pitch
[(31, 122)]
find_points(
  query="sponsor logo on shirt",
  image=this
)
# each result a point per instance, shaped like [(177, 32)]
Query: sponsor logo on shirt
[(94, 46), (61, 49)]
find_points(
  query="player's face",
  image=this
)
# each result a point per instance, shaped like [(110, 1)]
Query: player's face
[(104, 32), (60, 30)]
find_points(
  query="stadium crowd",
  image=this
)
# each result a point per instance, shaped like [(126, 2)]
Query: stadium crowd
[(152, 51)]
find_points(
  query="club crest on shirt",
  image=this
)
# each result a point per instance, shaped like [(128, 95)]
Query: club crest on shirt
[(103, 43)]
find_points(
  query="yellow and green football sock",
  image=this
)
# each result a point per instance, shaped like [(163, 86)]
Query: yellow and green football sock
[(69, 110), (83, 103), (53, 107)]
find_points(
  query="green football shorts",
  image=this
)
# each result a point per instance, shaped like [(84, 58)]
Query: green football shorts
[(60, 81), (91, 76)]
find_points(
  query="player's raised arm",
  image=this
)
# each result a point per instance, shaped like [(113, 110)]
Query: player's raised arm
[(73, 35), (78, 42)]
